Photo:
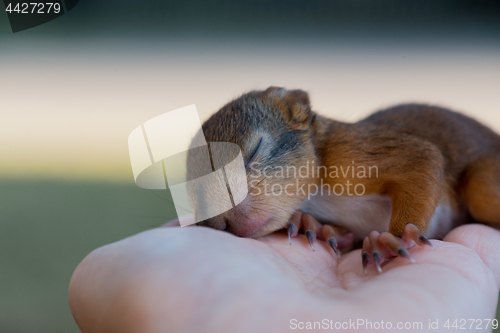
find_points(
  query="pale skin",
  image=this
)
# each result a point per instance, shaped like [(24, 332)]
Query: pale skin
[(195, 279)]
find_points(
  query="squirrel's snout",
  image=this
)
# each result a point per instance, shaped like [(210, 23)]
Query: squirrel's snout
[(237, 221)]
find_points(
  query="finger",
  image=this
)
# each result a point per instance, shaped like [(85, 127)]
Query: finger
[(484, 240)]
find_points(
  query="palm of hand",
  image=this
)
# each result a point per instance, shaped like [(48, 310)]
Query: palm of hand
[(198, 279)]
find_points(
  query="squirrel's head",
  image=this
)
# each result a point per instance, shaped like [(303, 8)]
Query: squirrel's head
[(273, 129)]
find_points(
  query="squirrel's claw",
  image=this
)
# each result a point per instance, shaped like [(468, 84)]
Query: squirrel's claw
[(311, 237), (305, 221), (310, 225), (335, 236), (294, 225), (334, 245), (404, 253), (378, 260), (331, 234), (412, 232), (426, 241), (385, 246), (364, 261), (291, 229), (365, 257), (376, 249)]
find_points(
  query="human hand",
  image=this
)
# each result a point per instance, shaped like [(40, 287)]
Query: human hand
[(196, 279)]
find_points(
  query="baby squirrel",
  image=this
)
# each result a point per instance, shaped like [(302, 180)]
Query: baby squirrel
[(407, 173)]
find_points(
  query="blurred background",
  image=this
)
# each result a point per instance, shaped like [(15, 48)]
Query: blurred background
[(74, 88)]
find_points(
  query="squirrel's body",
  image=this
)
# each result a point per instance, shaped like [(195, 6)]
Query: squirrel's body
[(391, 140), (361, 214), (435, 168)]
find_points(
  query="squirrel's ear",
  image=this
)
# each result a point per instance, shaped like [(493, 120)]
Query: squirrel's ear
[(293, 103)]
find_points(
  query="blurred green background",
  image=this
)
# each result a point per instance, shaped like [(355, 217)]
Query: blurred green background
[(47, 227), (74, 88)]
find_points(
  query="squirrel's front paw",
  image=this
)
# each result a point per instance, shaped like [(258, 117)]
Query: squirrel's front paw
[(335, 236), (378, 247)]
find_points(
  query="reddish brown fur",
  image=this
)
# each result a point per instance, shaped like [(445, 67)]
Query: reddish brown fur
[(423, 153)]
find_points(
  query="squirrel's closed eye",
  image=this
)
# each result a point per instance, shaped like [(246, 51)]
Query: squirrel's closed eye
[(254, 153)]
